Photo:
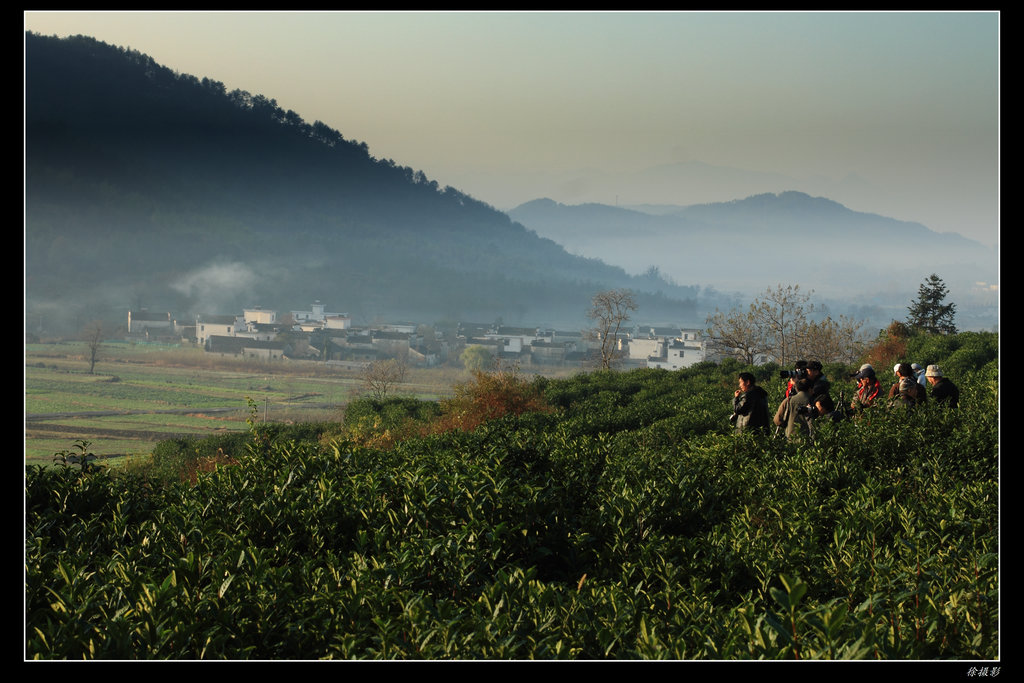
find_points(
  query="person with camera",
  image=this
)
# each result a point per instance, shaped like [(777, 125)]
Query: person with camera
[(796, 413), (824, 406), (820, 385), (868, 388), (799, 371), (750, 405), (906, 392)]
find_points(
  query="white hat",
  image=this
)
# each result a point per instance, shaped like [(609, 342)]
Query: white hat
[(896, 369), (933, 371)]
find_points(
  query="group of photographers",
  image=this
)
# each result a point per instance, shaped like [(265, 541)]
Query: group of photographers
[(808, 396)]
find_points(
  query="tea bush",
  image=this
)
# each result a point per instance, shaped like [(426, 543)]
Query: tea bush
[(625, 521)]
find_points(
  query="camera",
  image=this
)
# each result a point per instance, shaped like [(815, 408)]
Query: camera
[(799, 373), (809, 411)]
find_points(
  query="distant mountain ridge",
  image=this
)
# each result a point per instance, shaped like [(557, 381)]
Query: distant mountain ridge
[(813, 216), (764, 238), (142, 182)]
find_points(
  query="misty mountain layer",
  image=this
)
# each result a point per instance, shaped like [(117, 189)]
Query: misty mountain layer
[(145, 187), (755, 242)]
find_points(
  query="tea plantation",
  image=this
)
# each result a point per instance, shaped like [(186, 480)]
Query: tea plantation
[(617, 517)]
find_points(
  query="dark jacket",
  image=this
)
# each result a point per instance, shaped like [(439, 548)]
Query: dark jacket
[(821, 387), (751, 410), (945, 392)]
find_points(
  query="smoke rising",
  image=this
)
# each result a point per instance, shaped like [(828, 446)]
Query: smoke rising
[(217, 285)]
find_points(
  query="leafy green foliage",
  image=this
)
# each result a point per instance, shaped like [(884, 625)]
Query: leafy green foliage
[(79, 455), (625, 521)]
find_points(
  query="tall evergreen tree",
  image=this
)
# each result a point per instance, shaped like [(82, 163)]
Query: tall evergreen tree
[(928, 313)]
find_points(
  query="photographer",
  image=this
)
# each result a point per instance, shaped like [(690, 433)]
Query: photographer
[(799, 372), (819, 383), (868, 388), (750, 405), (797, 412), (906, 392), (823, 406)]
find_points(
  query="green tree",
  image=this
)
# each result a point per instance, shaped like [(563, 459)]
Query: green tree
[(929, 313), (477, 358)]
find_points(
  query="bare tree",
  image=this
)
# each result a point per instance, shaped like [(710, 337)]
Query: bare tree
[(782, 315), (833, 341), (776, 326), (737, 335), (380, 377), (93, 336), (610, 310)]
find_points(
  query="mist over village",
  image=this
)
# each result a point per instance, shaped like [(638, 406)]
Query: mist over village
[(512, 335)]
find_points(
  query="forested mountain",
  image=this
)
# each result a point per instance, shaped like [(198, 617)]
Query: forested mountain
[(144, 187)]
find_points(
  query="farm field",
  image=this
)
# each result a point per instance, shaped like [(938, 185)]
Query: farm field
[(140, 394)]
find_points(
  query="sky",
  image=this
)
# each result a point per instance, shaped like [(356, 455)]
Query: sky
[(895, 113)]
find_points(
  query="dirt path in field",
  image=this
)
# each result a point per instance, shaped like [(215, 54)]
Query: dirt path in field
[(49, 430), (37, 417), (34, 417)]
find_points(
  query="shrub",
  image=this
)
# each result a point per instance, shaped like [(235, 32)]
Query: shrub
[(490, 395)]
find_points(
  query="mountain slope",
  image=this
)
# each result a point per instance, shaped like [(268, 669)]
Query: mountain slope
[(142, 183)]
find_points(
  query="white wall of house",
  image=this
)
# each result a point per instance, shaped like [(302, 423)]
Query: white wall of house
[(315, 314), (640, 349), (516, 341), (219, 326), (260, 315), (681, 352), (258, 336), (338, 322)]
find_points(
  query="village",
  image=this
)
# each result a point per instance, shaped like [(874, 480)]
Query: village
[(318, 335)]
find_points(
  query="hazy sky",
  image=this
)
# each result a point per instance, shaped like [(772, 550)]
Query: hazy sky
[(894, 113)]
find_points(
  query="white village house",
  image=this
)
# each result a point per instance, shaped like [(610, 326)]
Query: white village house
[(670, 348)]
